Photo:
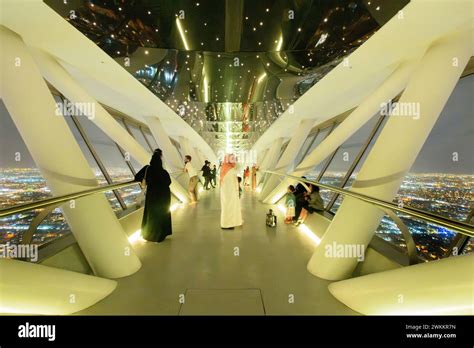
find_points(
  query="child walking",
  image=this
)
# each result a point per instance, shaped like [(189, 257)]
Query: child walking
[(290, 204)]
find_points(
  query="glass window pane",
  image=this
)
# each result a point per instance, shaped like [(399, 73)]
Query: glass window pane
[(111, 158), (150, 139), (314, 173), (351, 179), (304, 148), (137, 134), (344, 158), (356, 170), (432, 241), (114, 203), (21, 182), (441, 179), (107, 150)]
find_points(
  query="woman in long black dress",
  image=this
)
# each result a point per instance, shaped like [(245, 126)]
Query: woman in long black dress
[(156, 223)]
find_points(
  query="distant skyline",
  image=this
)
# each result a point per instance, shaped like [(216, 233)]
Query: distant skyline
[(452, 133)]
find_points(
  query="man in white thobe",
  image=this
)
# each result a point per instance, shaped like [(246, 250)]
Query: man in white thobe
[(231, 214)]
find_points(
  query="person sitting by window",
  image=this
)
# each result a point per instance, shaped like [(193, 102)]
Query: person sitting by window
[(300, 197), (290, 203), (313, 202)]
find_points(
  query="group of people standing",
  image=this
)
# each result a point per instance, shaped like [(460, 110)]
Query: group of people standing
[(156, 222), (250, 176), (209, 174)]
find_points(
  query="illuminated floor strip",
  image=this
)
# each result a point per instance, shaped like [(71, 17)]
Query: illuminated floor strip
[(303, 228), (136, 236)]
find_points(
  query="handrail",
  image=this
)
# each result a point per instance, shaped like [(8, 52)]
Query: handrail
[(61, 199), (460, 227)]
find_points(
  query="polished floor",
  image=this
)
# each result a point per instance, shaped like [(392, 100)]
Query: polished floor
[(202, 269)]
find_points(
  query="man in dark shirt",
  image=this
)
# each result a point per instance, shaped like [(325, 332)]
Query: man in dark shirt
[(213, 176), (206, 173)]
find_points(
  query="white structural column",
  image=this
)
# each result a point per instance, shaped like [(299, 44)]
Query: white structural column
[(268, 162), (391, 87), (443, 287), (393, 154), (271, 155), (171, 155), (63, 82), (61, 161), (28, 288), (287, 158)]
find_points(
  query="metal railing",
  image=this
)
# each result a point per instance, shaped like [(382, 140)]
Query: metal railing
[(390, 209), (461, 227), (49, 204)]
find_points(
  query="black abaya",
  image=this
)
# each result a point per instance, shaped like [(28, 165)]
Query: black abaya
[(156, 223)]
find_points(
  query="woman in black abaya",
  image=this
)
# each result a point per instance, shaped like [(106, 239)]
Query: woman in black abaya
[(156, 223)]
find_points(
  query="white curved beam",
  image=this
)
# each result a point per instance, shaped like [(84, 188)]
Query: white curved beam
[(56, 291)]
